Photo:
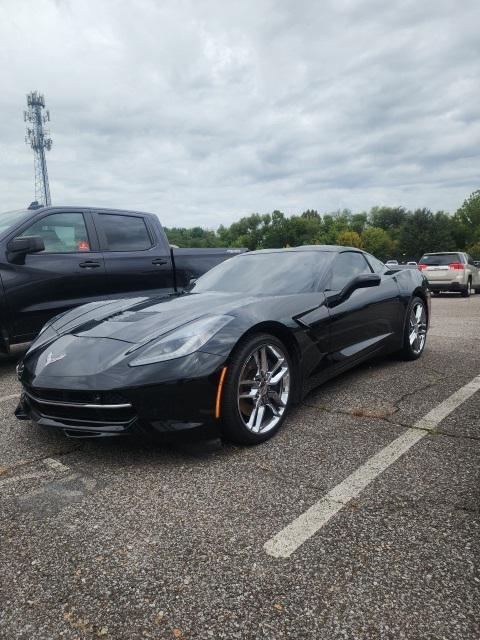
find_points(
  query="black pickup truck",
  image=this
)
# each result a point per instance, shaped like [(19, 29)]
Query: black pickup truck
[(55, 258)]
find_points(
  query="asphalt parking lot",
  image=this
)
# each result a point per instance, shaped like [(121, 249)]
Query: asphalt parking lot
[(116, 539)]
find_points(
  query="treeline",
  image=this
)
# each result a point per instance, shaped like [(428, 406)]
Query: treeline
[(387, 232)]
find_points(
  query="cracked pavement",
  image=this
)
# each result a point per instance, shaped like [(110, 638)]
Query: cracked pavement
[(123, 540)]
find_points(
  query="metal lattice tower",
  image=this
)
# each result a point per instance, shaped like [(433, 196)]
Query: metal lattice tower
[(38, 137)]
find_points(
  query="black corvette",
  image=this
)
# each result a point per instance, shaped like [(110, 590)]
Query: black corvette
[(250, 337)]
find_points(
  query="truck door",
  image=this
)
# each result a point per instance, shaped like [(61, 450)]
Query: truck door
[(70, 271), (136, 261)]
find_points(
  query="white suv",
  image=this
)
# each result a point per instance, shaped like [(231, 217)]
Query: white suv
[(453, 271)]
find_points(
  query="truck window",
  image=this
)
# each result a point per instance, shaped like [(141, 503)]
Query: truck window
[(125, 233), (61, 232)]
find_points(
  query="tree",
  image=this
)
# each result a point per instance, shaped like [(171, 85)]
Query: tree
[(388, 218), (349, 239), (469, 216), (377, 242), (474, 250), (358, 222)]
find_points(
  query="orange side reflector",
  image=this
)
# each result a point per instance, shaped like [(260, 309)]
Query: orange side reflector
[(219, 392)]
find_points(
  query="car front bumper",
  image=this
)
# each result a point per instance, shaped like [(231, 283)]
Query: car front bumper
[(163, 407)]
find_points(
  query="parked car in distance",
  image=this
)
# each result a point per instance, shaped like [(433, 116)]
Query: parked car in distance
[(450, 271), (251, 337), (391, 263), (56, 258), (412, 263)]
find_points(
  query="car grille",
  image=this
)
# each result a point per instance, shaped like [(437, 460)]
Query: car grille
[(77, 408)]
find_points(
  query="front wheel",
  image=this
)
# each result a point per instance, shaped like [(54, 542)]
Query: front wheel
[(257, 391), (415, 333)]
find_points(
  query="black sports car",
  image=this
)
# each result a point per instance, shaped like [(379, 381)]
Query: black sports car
[(250, 337)]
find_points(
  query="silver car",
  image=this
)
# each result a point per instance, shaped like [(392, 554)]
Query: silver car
[(452, 271)]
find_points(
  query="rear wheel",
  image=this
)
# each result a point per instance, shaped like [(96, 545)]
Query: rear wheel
[(257, 391), (467, 290), (415, 334)]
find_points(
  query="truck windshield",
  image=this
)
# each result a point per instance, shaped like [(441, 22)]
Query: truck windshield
[(273, 273), (9, 218)]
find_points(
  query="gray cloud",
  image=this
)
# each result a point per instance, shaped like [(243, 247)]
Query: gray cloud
[(205, 110)]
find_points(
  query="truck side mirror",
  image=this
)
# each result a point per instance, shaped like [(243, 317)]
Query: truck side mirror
[(21, 246)]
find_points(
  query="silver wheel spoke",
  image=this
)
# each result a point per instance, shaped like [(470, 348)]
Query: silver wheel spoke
[(276, 379), (253, 416), (276, 398), (264, 360), (251, 395), (275, 411), (275, 367), (413, 336), (257, 427)]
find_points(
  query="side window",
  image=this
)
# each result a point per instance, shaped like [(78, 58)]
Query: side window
[(125, 233), (61, 232), (470, 260), (376, 264), (345, 267)]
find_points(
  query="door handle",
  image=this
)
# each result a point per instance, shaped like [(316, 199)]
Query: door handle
[(89, 264), (159, 261)]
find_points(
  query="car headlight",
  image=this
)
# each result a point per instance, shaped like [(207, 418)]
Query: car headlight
[(182, 341)]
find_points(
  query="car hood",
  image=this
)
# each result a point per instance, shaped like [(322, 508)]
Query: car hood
[(140, 320), (90, 346)]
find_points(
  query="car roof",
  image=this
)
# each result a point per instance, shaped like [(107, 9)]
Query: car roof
[(330, 248), (441, 253)]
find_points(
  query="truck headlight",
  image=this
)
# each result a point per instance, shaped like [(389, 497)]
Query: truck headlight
[(182, 341)]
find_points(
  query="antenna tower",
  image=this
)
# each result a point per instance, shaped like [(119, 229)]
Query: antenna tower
[(38, 137)]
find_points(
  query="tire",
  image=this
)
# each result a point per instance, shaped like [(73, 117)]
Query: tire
[(467, 290), (260, 412), (409, 350)]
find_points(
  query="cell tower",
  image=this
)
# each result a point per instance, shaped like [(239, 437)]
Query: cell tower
[(38, 137)]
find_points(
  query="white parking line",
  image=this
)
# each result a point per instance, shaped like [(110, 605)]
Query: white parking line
[(10, 397), (56, 465), (284, 543)]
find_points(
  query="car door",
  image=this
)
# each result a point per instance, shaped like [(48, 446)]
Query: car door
[(70, 271), (136, 261), (367, 319)]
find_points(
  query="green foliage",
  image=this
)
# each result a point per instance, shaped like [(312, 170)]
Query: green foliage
[(349, 239), (474, 250), (386, 232), (469, 217), (378, 242)]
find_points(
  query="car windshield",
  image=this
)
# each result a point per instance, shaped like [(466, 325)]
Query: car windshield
[(9, 218), (273, 273), (440, 259)]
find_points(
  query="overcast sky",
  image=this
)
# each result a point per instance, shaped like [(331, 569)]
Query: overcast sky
[(205, 110)]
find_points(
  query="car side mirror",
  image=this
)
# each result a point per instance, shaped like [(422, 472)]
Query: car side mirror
[(361, 281), (21, 246)]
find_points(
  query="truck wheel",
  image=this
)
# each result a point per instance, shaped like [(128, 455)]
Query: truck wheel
[(258, 390), (467, 290)]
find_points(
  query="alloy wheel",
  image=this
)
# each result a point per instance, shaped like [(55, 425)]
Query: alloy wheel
[(417, 327), (263, 388)]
